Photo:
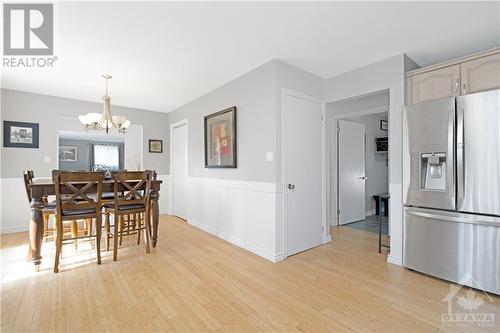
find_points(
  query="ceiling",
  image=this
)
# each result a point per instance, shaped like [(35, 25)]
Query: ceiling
[(163, 55)]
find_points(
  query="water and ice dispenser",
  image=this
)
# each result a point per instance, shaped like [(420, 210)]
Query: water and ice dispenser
[(433, 171)]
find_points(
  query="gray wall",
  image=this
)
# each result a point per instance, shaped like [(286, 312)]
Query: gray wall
[(83, 153), (253, 94), (57, 113), (257, 96)]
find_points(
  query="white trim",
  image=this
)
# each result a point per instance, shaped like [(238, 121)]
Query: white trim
[(12, 230), (326, 229), (354, 97), (238, 184), (184, 122), (394, 260), (370, 212), (364, 112), (238, 242)]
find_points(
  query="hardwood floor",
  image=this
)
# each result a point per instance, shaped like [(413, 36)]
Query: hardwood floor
[(194, 282)]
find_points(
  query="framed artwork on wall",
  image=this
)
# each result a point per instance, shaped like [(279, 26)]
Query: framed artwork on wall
[(20, 135), (155, 146), (68, 154), (220, 139)]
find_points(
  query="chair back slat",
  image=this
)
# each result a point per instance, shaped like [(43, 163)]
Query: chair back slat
[(28, 176), (75, 187), (135, 186)]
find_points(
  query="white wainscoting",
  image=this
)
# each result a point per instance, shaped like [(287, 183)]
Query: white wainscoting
[(15, 212), (240, 212)]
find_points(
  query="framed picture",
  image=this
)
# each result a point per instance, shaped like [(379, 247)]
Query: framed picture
[(384, 125), (220, 139), (20, 135), (68, 154), (155, 146)]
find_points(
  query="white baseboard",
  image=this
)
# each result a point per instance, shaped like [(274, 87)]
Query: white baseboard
[(238, 242), (12, 230), (328, 238), (395, 260), (370, 212)]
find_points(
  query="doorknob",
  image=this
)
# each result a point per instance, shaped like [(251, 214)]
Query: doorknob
[(363, 178), (291, 186)]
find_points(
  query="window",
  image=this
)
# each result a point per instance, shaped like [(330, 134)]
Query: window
[(106, 157)]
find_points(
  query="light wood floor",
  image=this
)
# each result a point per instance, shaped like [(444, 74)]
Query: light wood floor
[(194, 282)]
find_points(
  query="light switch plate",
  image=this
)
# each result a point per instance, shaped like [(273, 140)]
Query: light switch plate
[(46, 159), (269, 156)]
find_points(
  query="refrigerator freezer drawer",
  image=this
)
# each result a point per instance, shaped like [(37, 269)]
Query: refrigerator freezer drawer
[(461, 248)]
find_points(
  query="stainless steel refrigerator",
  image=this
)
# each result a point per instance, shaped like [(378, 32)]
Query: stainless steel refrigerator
[(451, 189)]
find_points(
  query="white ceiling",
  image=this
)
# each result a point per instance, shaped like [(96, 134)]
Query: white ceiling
[(163, 55)]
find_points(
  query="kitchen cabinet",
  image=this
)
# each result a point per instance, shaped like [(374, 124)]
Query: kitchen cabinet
[(480, 74), (440, 83), (462, 76)]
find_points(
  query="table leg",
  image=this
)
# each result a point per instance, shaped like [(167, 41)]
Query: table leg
[(155, 215), (380, 225), (36, 231)]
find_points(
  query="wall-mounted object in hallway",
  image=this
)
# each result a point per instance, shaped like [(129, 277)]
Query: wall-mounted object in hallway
[(20, 135), (381, 145), (220, 139), (68, 154), (384, 125), (155, 146)]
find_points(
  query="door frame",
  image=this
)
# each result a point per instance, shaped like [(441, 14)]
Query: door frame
[(324, 164), (334, 149), (173, 126)]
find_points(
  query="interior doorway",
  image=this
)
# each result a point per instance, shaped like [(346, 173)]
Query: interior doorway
[(179, 168), (360, 162)]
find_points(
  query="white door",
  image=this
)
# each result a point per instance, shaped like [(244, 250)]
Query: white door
[(303, 174), (351, 175), (179, 170)]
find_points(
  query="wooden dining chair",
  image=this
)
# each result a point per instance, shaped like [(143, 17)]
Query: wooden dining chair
[(49, 210), (134, 202), (77, 205)]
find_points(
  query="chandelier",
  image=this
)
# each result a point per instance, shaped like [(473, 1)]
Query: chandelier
[(104, 121)]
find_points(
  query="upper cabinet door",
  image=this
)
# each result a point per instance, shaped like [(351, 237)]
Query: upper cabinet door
[(480, 74), (440, 83)]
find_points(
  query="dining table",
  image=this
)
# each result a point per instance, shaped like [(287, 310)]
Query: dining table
[(42, 188)]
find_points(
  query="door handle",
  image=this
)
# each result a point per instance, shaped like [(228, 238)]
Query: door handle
[(291, 186), (363, 178)]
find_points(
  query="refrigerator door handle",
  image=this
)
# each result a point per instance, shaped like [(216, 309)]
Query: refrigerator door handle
[(454, 217), (460, 155)]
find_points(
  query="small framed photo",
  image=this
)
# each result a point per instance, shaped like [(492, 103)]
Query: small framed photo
[(384, 125), (220, 139), (155, 146), (20, 135), (68, 154)]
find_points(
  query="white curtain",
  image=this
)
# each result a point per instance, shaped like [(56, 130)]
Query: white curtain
[(108, 155)]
